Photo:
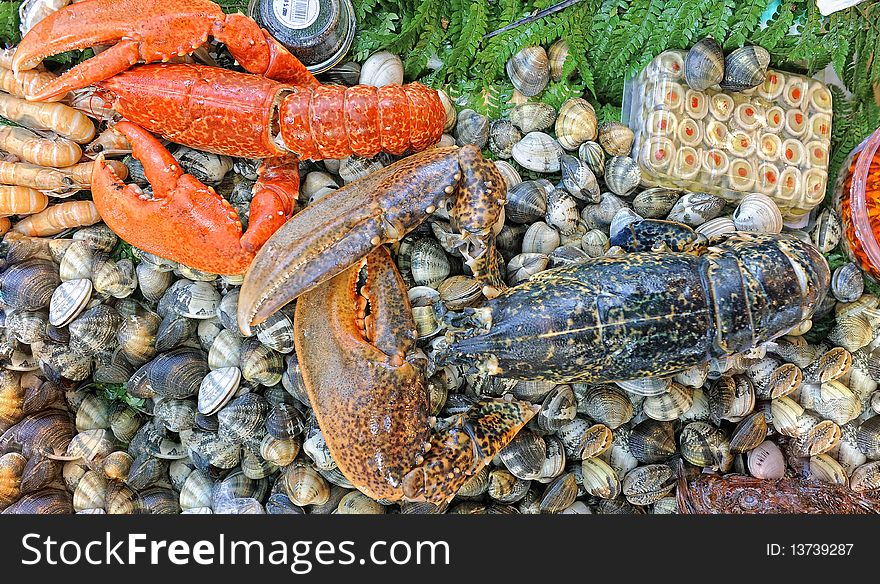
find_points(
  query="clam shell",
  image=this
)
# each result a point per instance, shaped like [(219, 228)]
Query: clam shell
[(240, 419), (670, 405), (607, 404), (866, 477), (458, 292), (624, 217), (449, 108), (285, 422), (749, 433), (578, 179), (599, 479), (305, 486), (429, 263), (196, 491), (655, 203), (706, 446), (646, 386), (503, 134), (758, 212), (540, 238), (197, 300), (532, 116), (766, 461), (527, 202), (560, 494), (616, 139), (94, 330), (177, 415), (652, 441), (279, 452), (276, 332), (525, 455), (225, 350), (595, 243), (356, 503), (592, 155), (868, 437), (745, 68), (557, 54), (152, 282), (576, 123), (695, 209), (260, 364), (381, 69), (567, 254), (508, 172), (505, 487), (558, 409), (529, 70), (622, 175), (716, 227), (472, 128), (827, 231), (852, 332), (29, 285), (524, 266), (538, 151), (68, 300), (562, 212), (847, 283), (704, 64), (645, 485)]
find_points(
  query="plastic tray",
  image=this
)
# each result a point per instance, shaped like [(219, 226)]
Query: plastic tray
[(773, 139)]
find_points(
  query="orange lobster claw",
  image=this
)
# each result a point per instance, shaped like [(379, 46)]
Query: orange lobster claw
[(185, 221), (148, 32)]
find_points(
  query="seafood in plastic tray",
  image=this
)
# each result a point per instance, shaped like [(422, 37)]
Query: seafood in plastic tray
[(773, 139)]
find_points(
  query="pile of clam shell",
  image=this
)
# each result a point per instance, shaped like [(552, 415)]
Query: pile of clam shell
[(127, 386)]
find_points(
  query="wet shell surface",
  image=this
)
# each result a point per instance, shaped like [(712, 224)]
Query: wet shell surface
[(757, 212), (704, 64), (538, 151), (529, 70), (622, 175), (745, 68), (616, 138), (576, 123), (532, 116)]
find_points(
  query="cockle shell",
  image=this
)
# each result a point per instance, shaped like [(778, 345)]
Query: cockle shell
[(562, 212), (652, 441), (540, 238), (645, 485), (529, 70), (766, 461)]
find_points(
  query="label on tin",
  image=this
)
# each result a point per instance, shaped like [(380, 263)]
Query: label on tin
[(296, 13)]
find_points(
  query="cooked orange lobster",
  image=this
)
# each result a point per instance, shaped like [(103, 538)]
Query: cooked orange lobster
[(217, 110)]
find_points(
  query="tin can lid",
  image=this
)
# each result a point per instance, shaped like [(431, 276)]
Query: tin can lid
[(318, 32)]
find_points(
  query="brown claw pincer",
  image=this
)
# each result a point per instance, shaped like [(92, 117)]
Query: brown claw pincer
[(355, 336), (344, 226), (371, 400)]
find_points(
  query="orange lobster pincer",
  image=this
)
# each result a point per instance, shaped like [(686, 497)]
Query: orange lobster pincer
[(280, 115)]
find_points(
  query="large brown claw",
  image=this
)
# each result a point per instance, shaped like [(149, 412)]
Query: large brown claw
[(345, 225), (371, 404)]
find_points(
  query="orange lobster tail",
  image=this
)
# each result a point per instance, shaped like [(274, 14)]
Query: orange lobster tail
[(335, 121)]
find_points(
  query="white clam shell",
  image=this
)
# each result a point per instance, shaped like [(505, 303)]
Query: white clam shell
[(758, 213), (382, 68), (538, 151), (68, 300)]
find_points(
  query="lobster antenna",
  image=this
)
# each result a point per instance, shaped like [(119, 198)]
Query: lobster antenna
[(532, 17)]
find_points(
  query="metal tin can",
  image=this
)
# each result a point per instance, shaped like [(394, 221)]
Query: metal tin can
[(318, 32)]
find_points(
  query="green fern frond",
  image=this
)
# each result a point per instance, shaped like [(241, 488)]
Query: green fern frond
[(9, 33)]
